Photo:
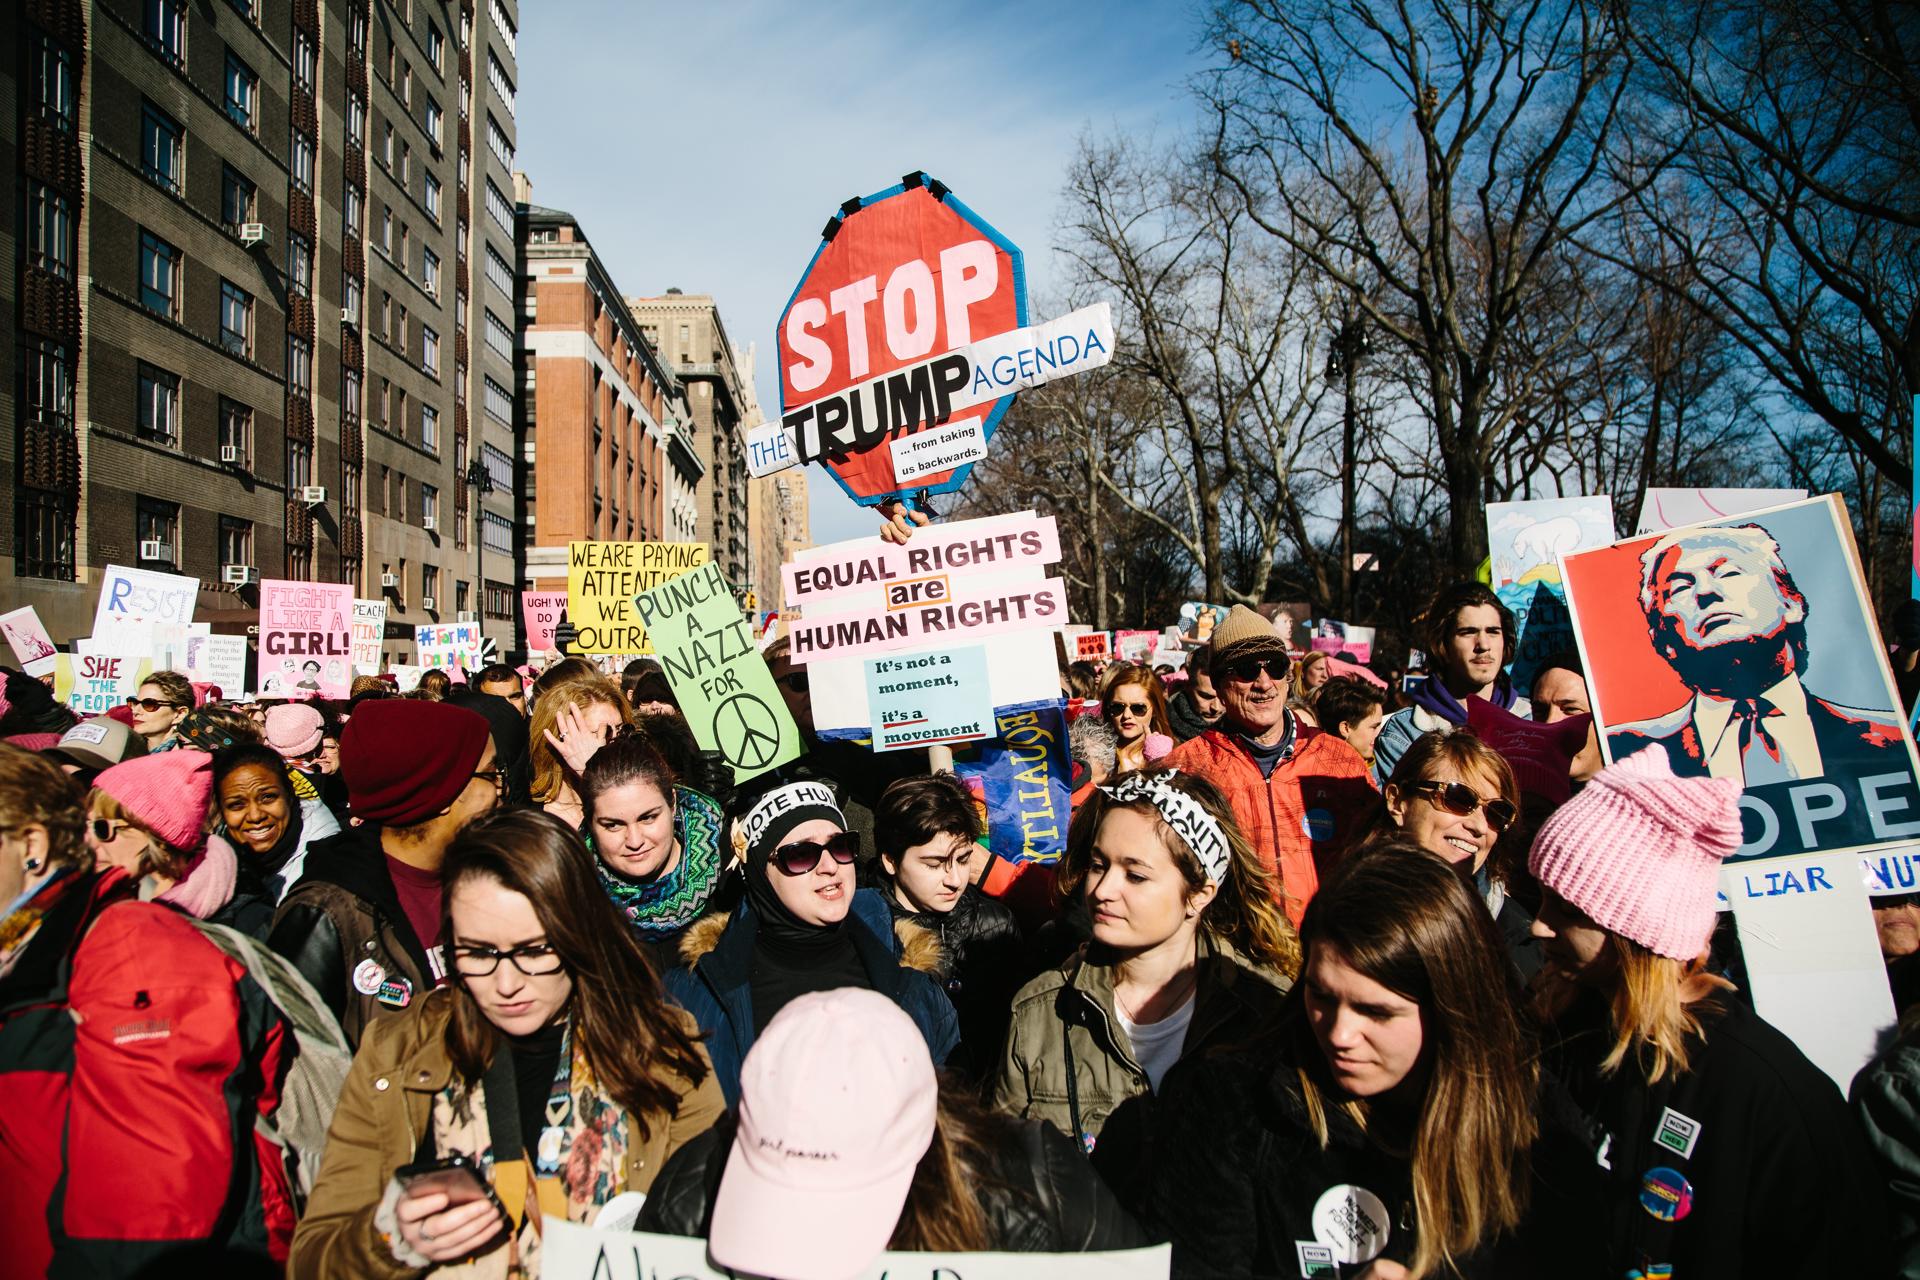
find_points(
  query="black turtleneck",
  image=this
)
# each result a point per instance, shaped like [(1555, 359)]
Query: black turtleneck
[(792, 958), (536, 1060)]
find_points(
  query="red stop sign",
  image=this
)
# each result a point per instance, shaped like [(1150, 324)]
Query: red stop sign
[(908, 275)]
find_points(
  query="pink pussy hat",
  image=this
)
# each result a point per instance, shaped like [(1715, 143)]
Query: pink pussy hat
[(837, 1103), (1639, 852)]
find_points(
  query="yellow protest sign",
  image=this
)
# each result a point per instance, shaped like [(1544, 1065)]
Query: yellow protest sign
[(604, 577)]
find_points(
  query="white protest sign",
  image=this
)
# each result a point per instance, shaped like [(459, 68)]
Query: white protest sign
[(1663, 509), (960, 379), (406, 676), (930, 453), (369, 629), (918, 699), (445, 645), (220, 661), (569, 1251), (95, 681), (32, 645), (133, 601)]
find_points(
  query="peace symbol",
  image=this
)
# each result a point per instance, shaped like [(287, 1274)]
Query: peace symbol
[(747, 732)]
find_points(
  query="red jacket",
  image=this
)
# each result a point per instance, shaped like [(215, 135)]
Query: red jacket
[(130, 1059), (1298, 819)]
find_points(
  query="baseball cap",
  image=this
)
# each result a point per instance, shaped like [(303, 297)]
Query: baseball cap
[(837, 1104), (98, 743)]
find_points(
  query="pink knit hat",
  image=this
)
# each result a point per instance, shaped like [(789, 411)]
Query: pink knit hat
[(1639, 852), (169, 791), (294, 729)]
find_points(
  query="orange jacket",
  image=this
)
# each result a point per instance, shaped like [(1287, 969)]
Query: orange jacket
[(1301, 817)]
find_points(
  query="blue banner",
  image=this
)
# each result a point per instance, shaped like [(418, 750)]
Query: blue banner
[(1023, 776)]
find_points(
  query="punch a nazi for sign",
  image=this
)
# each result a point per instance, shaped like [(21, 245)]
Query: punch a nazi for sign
[(913, 572), (933, 390), (604, 577)]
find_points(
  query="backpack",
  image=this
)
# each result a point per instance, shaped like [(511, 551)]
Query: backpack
[(318, 1070)]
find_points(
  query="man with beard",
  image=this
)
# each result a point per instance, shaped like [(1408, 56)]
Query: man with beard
[(1725, 614)]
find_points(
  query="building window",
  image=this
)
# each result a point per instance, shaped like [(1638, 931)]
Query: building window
[(429, 350), (499, 274), (406, 245), (386, 315), (302, 162), (460, 234), (159, 275), (386, 488), (350, 399), (386, 229), (299, 365), (429, 503), (46, 535), (430, 587), (350, 479), (356, 117), (502, 84), (406, 164), (160, 136), (400, 412), (497, 142), (303, 60), (430, 271), (462, 596), (236, 433), (299, 465), (498, 209), (386, 146), (157, 522), (500, 598), (350, 211), (499, 468), (400, 329), (429, 428), (236, 199), (466, 30), (49, 230), (48, 376), (433, 197), (466, 98), (406, 82), (357, 32), (167, 28), (243, 92), (299, 265), (236, 541), (243, 7), (499, 338), (434, 119), (350, 296), (496, 401), (496, 533), (236, 319), (435, 43), (53, 87)]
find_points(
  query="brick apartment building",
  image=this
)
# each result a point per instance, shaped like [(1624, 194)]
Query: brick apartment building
[(607, 424), (241, 271)]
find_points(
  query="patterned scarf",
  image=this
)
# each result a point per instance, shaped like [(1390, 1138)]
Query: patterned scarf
[(663, 906), (592, 1157)]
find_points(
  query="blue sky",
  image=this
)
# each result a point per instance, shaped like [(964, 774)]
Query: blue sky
[(704, 145)]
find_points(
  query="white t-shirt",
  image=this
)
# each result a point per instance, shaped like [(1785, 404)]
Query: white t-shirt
[(1157, 1045)]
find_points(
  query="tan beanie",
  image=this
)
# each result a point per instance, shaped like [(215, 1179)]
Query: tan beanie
[(1245, 634)]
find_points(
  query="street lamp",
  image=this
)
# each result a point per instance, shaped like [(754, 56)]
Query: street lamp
[(1349, 346), (480, 484)]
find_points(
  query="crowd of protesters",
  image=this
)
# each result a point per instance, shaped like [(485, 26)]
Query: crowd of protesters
[(1323, 985)]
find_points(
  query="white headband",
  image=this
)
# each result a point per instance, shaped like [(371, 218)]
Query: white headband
[(1187, 816)]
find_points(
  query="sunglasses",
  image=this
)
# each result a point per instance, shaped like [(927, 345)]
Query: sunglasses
[(802, 856), (1132, 708), (796, 682), (1247, 670), (1460, 800), (106, 830), (151, 705)]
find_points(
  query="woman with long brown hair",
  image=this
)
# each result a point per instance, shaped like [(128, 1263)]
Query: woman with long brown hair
[(569, 724), (554, 1063), (913, 1166), (1134, 701), (1717, 1148), (1383, 1120)]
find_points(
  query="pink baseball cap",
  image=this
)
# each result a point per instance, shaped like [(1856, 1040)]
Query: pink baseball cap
[(837, 1105)]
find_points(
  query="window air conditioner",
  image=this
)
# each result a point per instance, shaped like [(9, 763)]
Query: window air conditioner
[(154, 550), (426, 522), (426, 602), (467, 616), (239, 575), (229, 453), (389, 580), (313, 494), (350, 316), (253, 233)]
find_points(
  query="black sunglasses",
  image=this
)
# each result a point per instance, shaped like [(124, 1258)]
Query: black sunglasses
[(1136, 708), (151, 705), (1459, 799), (106, 829), (795, 681), (802, 856), (1247, 670)]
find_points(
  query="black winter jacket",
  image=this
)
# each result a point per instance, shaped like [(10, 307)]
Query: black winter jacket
[(1042, 1196), (983, 962)]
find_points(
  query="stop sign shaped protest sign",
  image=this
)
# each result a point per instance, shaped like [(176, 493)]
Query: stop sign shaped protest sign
[(901, 276)]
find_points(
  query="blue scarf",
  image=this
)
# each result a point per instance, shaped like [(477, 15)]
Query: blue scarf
[(1433, 694)]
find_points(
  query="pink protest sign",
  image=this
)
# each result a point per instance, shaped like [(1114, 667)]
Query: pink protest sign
[(542, 610), (306, 639)]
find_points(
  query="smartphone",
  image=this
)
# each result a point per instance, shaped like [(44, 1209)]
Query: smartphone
[(457, 1176)]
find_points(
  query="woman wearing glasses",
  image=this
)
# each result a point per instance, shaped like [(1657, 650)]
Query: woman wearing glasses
[(1454, 795), (162, 703), (1135, 704), (803, 927), (553, 1063)]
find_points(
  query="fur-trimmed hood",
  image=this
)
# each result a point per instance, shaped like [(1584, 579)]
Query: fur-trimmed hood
[(917, 947)]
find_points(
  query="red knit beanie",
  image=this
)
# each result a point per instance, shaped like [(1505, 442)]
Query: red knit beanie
[(168, 791), (406, 759)]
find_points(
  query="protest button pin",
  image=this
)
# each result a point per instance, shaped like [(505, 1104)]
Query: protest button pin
[(367, 977), (1666, 1194), (395, 993), (1353, 1222)]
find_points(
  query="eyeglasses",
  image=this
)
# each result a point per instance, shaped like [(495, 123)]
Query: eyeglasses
[(1132, 708), (802, 856), (1247, 670), (1459, 799), (107, 830), (498, 774), (535, 960), (151, 705), (796, 681)]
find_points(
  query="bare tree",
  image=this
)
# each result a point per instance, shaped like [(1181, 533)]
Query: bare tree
[(1432, 159)]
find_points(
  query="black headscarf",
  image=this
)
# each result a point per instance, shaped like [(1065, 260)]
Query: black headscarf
[(509, 731)]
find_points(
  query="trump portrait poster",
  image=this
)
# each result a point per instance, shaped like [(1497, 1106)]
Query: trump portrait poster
[(1745, 647)]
